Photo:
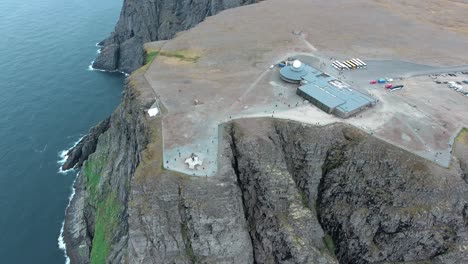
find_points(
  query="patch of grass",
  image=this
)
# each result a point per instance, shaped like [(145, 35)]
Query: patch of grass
[(462, 136), (329, 244), (105, 225), (92, 170), (181, 55), (150, 56)]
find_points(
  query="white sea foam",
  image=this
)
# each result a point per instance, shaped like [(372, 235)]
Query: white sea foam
[(63, 157), (62, 246), (91, 68), (60, 240)]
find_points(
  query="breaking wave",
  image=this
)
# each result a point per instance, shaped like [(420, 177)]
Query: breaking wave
[(60, 240), (63, 156)]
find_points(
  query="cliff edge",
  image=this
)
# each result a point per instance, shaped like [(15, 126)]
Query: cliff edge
[(285, 193), (146, 21)]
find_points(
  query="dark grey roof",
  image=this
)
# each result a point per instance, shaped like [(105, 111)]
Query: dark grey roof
[(290, 73), (322, 95), (333, 93)]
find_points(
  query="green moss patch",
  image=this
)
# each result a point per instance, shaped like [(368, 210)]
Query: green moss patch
[(106, 222), (181, 55), (92, 170), (462, 136), (329, 244), (150, 56)]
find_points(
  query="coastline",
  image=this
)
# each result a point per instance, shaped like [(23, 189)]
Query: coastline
[(61, 239), (111, 151), (63, 155), (91, 68)]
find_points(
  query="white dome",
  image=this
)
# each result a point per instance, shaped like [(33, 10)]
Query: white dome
[(297, 64)]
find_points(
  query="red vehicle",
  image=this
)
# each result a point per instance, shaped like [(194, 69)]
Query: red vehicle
[(373, 82), (388, 86)]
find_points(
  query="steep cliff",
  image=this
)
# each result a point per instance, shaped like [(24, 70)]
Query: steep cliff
[(285, 193), (96, 223), (369, 201), (144, 21)]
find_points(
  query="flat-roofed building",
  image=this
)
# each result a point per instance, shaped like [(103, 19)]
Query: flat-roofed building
[(320, 97), (331, 95)]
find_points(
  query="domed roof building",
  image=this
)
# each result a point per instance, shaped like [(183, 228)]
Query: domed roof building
[(294, 73)]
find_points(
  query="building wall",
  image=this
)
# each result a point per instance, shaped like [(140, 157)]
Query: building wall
[(314, 101), (289, 80), (342, 114)]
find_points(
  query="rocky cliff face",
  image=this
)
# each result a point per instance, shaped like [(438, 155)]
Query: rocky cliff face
[(96, 224), (285, 193), (144, 21), (368, 201)]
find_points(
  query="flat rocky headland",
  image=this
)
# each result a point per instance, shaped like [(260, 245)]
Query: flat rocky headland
[(291, 184)]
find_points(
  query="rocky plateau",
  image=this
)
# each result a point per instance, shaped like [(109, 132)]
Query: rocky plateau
[(285, 192)]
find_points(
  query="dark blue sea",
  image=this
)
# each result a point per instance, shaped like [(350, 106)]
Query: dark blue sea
[(48, 100)]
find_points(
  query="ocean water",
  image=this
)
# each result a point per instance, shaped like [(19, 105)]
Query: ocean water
[(48, 100)]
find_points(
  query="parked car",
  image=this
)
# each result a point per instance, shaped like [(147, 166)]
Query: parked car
[(396, 88), (373, 82)]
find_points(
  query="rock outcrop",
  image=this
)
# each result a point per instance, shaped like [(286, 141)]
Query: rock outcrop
[(85, 147), (146, 21)]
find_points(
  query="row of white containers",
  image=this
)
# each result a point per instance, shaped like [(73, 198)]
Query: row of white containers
[(349, 64)]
